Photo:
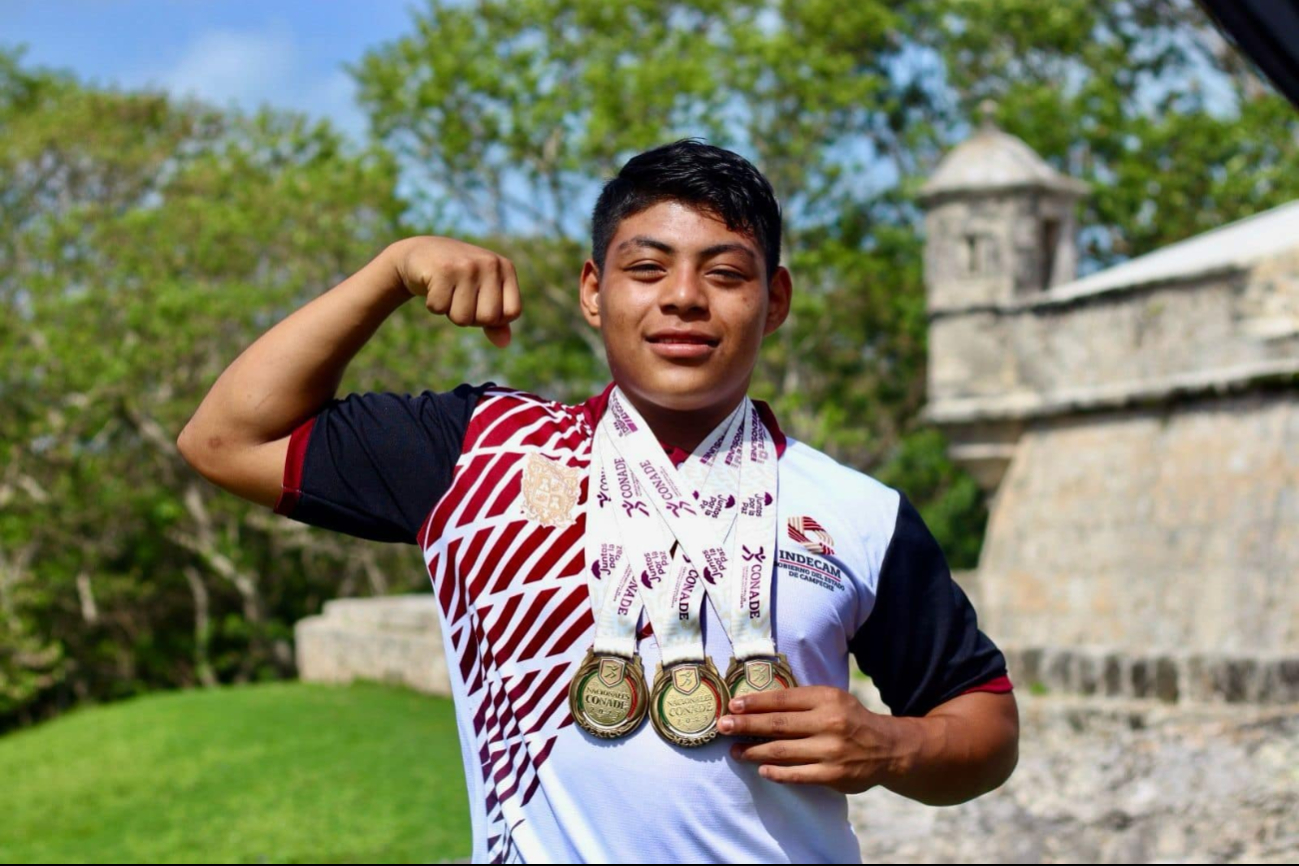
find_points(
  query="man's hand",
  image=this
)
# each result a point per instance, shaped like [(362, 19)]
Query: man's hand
[(471, 286), (823, 736), (819, 735)]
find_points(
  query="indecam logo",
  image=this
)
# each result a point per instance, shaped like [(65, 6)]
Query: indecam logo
[(821, 572), (811, 534), (661, 484)]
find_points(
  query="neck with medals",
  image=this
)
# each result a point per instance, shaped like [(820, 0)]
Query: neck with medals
[(663, 540)]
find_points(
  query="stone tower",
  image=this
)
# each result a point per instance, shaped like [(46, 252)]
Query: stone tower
[(1001, 230), (1137, 431), (1000, 223)]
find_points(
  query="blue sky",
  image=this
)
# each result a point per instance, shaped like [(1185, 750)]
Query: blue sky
[(288, 53)]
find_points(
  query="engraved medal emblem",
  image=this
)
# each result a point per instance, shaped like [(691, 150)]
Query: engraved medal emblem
[(759, 675), (611, 671), (550, 491), (686, 703), (685, 679), (608, 696)]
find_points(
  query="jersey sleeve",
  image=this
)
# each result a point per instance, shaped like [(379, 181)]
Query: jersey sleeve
[(374, 465), (921, 643)]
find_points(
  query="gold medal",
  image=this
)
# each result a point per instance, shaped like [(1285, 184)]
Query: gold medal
[(608, 696), (759, 675), (687, 701)]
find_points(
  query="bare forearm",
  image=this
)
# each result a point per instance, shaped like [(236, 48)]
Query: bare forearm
[(295, 368), (239, 436), (964, 748)]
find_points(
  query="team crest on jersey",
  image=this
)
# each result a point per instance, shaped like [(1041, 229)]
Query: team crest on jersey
[(812, 535), (550, 491)]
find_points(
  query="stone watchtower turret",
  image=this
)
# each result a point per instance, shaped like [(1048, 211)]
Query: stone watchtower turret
[(1001, 230), (1000, 223)]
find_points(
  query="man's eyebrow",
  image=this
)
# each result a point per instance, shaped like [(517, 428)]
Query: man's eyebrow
[(718, 249), (645, 241), (714, 250)]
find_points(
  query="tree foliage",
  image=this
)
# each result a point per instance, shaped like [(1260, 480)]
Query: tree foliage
[(144, 242)]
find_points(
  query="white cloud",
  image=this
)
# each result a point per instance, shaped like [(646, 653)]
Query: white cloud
[(245, 67), (334, 96)]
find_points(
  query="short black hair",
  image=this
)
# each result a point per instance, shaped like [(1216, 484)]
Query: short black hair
[(697, 174)]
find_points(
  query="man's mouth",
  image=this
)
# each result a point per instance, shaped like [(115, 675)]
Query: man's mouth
[(686, 338), (681, 345)]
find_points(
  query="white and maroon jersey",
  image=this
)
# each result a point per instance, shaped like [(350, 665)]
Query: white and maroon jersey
[(465, 475)]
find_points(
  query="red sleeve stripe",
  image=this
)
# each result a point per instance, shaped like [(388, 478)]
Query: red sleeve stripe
[(292, 483), (998, 685)]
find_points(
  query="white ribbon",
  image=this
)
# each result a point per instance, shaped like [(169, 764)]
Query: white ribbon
[(721, 509)]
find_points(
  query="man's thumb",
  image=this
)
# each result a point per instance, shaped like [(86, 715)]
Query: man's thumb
[(498, 334)]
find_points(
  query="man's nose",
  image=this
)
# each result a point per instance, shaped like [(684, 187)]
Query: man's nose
[(685, 291)]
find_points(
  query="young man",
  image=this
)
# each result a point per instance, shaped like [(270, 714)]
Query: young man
[(537, 530)]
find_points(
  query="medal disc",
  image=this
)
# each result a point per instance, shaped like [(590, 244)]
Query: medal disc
[(759, 675), (686, 703), (608, 696)]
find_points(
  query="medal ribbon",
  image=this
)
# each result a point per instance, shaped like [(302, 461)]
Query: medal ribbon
[(609, 578), (733, 536)]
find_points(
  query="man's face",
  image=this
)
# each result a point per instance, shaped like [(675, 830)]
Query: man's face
[(683, 303)]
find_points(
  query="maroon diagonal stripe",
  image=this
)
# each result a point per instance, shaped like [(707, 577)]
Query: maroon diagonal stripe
[(554, 621)]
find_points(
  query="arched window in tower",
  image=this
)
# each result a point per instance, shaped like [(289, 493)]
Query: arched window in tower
[(1050, 243), (978, 256), (970, 256)]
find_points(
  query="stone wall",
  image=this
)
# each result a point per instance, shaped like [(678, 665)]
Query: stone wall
[(1105, 781), (393, 639), (1200, 678), (1054, 352), (1173, 530)]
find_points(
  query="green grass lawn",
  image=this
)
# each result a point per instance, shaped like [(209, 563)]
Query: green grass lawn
[(284, 772)]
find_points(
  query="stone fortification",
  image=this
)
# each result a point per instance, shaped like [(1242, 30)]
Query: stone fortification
[(1137, 431), (1113, 781)]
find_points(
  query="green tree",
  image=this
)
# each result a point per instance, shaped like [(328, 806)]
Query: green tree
[(506, 116), (1141, 98), (143, 243)]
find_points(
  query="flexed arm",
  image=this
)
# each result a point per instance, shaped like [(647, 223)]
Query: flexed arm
[(238, 438)]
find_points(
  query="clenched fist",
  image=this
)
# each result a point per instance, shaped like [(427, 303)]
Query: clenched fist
[(469, 285)]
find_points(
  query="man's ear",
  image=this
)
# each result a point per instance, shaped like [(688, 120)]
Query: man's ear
[(778, 299), (589, 293)]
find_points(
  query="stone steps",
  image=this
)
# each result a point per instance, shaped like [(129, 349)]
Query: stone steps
[(1211, 678), (392, 639)]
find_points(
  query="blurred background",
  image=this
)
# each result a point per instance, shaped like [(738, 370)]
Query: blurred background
[(177, 176)]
